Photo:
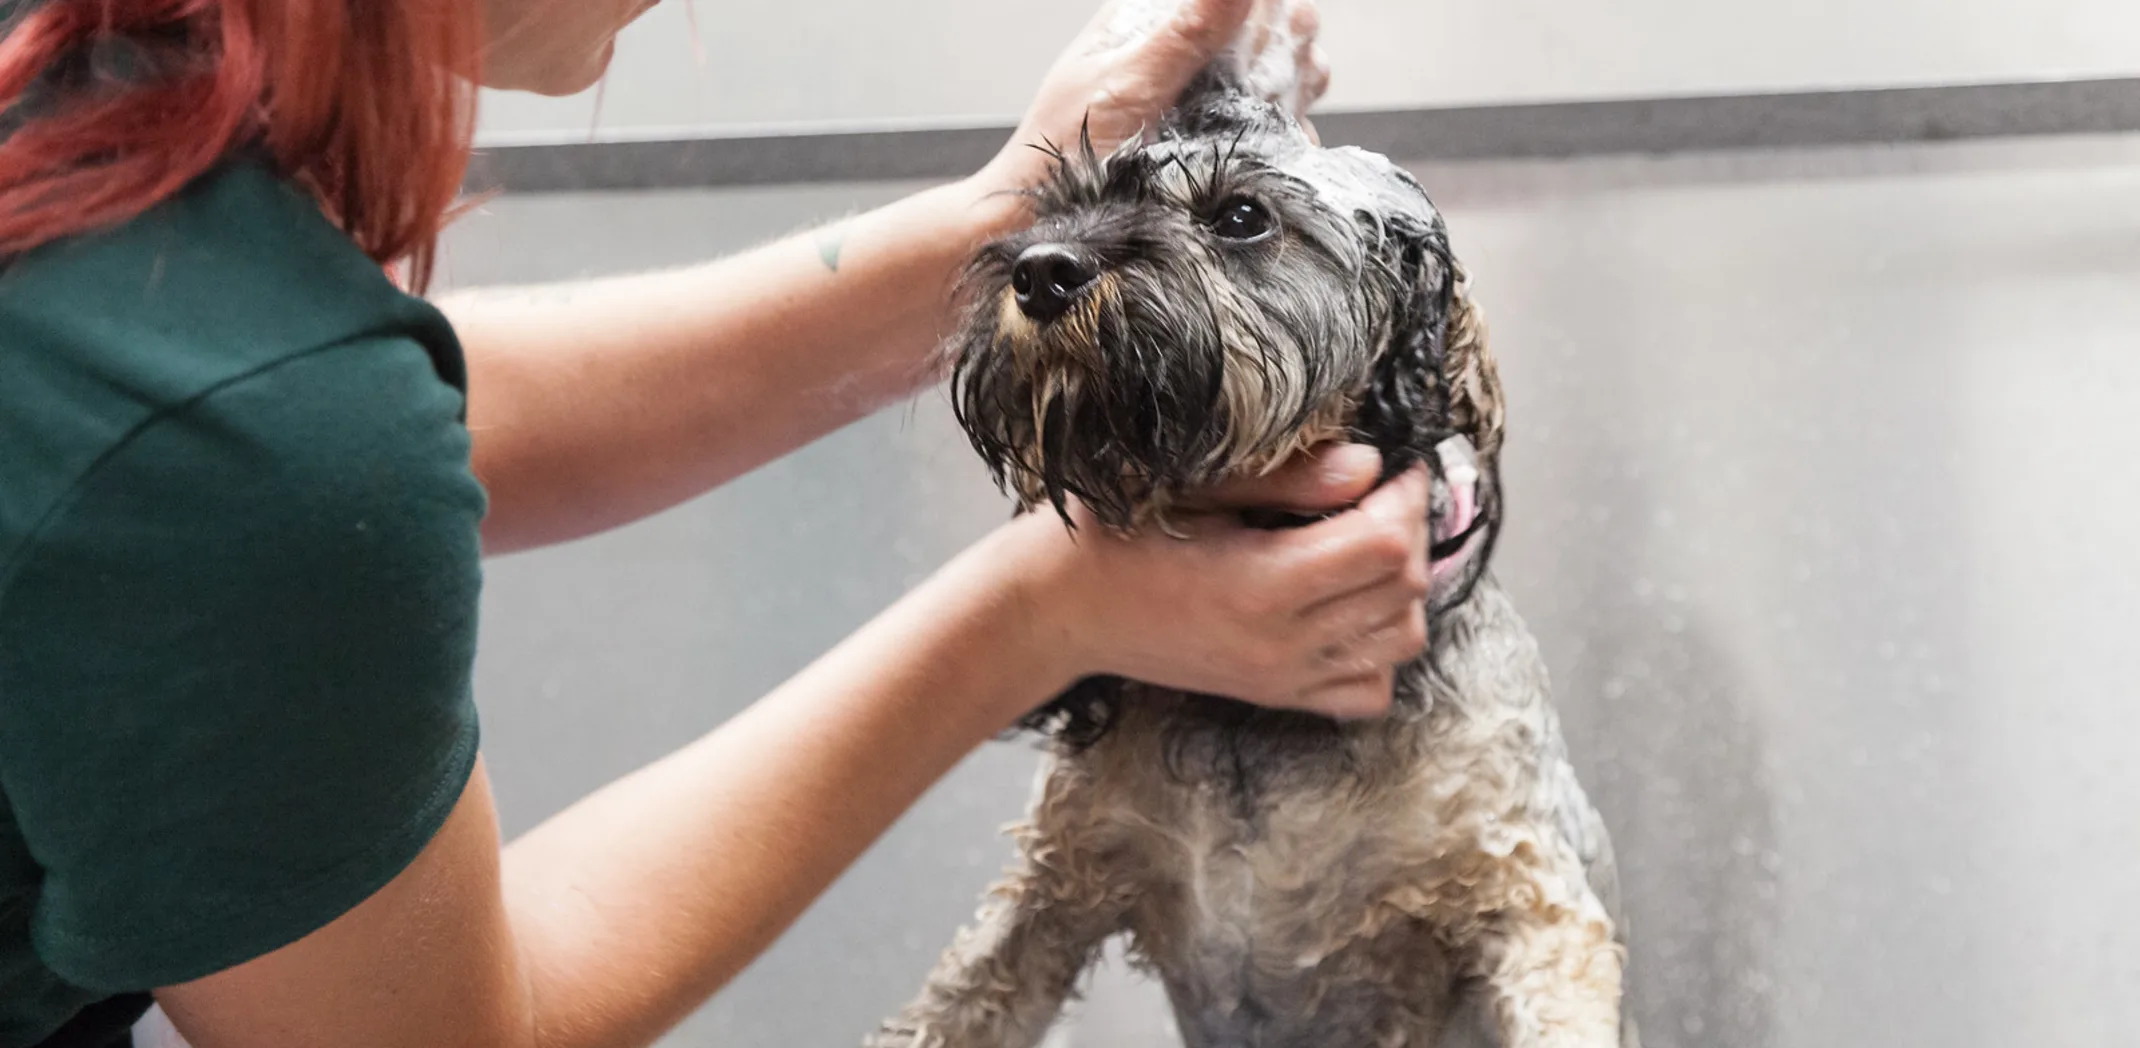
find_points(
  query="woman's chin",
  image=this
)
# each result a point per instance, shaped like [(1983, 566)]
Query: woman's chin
[(556, 78)]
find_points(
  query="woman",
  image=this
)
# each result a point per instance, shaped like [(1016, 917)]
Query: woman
[(241, 517)]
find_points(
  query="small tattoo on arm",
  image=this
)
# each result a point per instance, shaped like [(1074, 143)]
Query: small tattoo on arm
[(829, 244)]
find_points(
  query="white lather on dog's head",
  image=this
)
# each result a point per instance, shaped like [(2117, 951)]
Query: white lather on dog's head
[(1269, 73)]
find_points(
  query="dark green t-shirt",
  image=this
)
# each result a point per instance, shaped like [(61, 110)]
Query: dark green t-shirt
[(239, 569)]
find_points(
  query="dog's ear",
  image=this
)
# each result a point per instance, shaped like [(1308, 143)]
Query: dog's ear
[(1436, 375), (1468, 372)]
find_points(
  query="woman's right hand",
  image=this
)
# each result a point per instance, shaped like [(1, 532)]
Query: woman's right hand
[(1313, 618)]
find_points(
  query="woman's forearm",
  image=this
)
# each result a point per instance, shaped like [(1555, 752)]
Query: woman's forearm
[(595, 404), (635, 904)]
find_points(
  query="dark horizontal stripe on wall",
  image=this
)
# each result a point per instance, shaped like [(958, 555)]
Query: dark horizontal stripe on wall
[(1531, 130)]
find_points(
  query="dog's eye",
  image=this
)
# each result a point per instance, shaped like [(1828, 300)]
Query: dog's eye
[(1241, 219)]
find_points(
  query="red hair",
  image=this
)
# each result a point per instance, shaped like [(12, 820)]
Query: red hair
[(368, 104)]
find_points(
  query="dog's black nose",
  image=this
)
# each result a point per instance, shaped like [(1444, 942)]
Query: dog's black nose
[(1047, 278)]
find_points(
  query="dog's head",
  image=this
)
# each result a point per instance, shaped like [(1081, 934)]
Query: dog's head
[(1207, 301)]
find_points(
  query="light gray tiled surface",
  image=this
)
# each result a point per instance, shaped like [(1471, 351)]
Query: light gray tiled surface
[(848, 61)]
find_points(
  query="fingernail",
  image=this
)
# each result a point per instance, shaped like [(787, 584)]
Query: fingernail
[(1350, 464)]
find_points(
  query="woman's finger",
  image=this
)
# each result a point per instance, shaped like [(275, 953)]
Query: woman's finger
[(1305, 20), (1386, 582), (1390, 641), (1382, 542), (1320, 480), (1351, 698), (1259, 30), (1315, 80), (1207, 26)]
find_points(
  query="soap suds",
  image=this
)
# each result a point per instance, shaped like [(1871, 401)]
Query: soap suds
[(1273, 74)]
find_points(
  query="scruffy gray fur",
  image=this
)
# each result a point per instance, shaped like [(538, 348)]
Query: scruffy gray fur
[(1223, 294)]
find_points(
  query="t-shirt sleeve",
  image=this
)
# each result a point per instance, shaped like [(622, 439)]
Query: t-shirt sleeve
[(235, 666)]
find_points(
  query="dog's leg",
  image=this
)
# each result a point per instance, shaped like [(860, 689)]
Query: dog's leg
[(1003, 981), (1549, 962)]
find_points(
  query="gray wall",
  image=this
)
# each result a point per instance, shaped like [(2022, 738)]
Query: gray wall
[(867, 61), (1824, 468)]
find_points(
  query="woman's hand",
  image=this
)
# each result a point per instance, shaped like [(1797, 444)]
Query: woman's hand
[(1313, 618), (1135, 57)]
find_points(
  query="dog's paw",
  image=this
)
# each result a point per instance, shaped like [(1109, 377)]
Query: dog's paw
[(895, 1033)]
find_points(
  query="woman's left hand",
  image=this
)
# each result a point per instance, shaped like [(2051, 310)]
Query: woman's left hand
[(1135, 57)]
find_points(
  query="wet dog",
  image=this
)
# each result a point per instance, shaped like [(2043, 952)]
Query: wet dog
[(1196, 306)]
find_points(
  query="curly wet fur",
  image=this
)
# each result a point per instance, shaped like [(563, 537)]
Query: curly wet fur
[(1293, 881)]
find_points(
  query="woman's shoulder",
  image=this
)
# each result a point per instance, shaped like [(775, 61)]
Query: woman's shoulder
[(235, 271), (224, 285), (239, 574)]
